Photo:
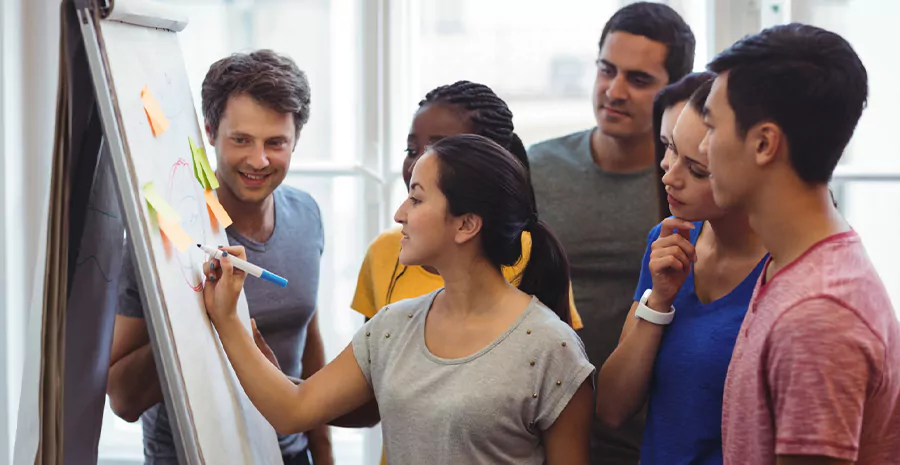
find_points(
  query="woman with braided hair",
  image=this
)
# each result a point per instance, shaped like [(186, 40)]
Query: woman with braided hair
[(460, 108)]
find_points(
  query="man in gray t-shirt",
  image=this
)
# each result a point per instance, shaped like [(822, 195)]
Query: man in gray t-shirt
[(597, 189), (255, 106)]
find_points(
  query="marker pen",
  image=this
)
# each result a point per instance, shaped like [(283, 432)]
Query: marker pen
[(246, 266)]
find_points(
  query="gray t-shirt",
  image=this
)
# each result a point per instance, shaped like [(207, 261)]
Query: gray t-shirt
[(602, 220), (293, 251), (489, 407)]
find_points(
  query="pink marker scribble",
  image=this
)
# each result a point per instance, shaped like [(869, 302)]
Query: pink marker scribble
[(189, 207)]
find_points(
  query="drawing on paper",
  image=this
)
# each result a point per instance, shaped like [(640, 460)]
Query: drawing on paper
[(190, 208)]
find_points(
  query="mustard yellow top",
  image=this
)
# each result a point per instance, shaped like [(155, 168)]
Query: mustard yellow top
[(383, 280)]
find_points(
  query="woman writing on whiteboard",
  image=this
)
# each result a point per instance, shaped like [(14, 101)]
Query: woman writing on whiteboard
[(479, 371)]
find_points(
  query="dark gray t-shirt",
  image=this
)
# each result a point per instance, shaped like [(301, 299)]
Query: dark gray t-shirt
[(602, 220), (282, 315), (490, 407)]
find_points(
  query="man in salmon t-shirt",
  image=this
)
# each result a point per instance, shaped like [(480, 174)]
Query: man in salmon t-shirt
[(815, 374)]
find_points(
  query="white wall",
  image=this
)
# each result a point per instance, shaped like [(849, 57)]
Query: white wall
[(29, 44)]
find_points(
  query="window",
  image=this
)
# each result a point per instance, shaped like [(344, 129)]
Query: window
[(369, 62), (870, 168)]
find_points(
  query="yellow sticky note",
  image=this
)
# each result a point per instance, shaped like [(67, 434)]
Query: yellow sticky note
[(175, 233), (160, 205), (158, 121), (202, 170), (216, 207)]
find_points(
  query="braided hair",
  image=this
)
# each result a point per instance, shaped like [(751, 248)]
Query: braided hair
[(489, 115)]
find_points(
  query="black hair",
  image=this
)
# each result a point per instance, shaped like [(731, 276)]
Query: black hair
[(808, 81), (480, 177), (659, 23), (489, 115), (667, 98)]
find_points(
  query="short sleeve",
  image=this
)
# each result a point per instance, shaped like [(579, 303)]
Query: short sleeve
[(129, 297), (364, 298), (365, 351), (822, 362), (646, 280), (564, 371)]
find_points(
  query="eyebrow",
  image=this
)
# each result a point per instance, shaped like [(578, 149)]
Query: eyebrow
[(415, 185), (706, 112), (631, 73)]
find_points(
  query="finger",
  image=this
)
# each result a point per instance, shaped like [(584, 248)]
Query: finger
[(667, 263), (677, 241), (672, 251), (236, 250), (227, 267), (669, 225)]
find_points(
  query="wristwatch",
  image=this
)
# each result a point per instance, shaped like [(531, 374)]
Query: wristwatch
[(646, 313)]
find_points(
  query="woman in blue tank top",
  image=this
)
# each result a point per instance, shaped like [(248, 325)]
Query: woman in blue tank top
[(697, 278)]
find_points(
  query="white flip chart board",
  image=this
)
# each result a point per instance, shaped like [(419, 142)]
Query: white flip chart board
[(138, 47)]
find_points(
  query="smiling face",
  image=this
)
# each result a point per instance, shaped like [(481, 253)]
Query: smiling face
[(630, 71), (432, 123), (687, 178), (253, 148), (428, 228)]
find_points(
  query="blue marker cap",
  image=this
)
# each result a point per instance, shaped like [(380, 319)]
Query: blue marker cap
[(274, 279)]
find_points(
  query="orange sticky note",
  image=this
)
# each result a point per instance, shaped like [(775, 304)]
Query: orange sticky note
[(216, 207), (175, 233), (158, 121)]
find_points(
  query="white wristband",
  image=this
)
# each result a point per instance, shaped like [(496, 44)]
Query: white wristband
[(646, 313)]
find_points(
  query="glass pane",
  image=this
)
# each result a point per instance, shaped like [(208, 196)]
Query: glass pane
[(863, 24), (218, 28), (540, 60), (877, 224)]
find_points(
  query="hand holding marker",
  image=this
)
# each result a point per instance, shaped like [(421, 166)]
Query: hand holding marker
[(245, 266)]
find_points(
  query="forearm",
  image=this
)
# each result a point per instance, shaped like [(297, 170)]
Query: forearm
[(624, 379), (273, 394), (133, 384)]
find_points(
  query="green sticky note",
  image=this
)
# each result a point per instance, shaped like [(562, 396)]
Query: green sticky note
[(159, 204), (202, 167), (198, 170)]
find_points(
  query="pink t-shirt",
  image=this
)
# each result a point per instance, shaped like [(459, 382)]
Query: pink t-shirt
[(816, 367)]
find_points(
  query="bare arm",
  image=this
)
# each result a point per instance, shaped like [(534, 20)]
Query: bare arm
[(313, 361), (567, 441), (133, 384), (624, 380), (809, 460), (338, 388)]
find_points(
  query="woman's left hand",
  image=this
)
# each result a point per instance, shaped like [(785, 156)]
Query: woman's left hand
[(223, 285)]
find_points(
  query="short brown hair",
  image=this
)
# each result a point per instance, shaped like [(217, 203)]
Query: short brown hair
[(271, 79)]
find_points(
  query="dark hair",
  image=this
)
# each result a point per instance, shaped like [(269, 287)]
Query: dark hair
[(489, 115), (659, 23), (667, 98), (271, 79), (480, 177), (804, 79)]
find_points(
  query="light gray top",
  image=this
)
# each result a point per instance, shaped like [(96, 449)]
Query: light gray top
[(602, 219), (282, 315), (489, 407)]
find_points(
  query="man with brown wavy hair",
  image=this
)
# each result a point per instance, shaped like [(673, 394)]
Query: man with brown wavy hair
[(255, 106)]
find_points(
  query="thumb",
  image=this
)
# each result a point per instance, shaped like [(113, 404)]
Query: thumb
[(227, 266)]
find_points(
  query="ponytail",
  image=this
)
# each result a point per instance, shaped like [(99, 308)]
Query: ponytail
[(546, 275)]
